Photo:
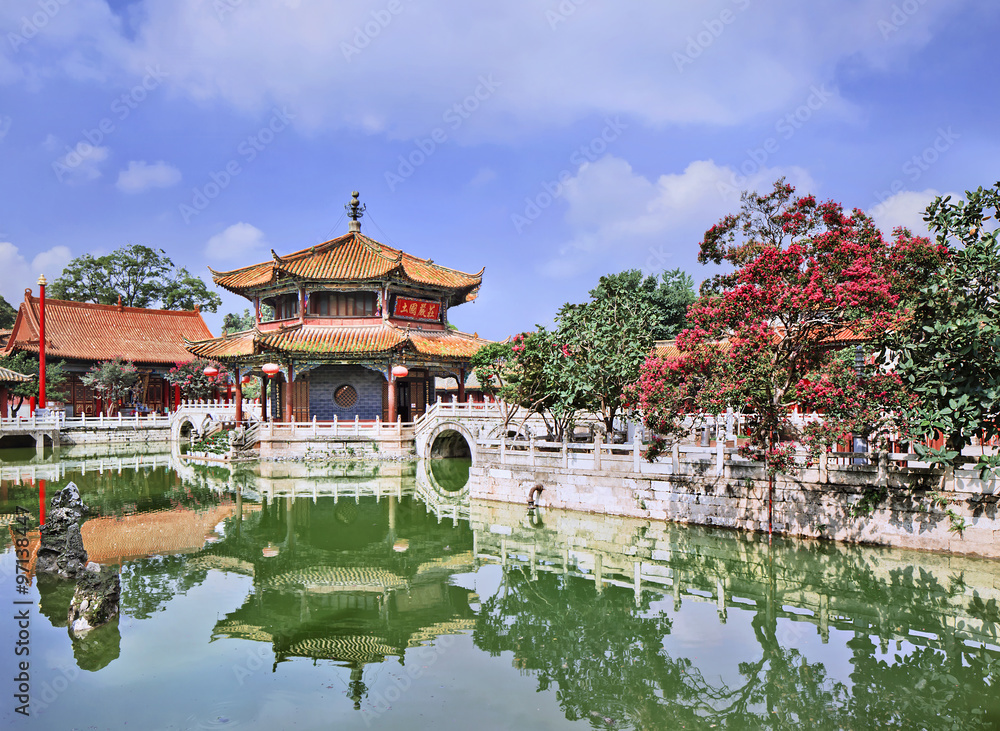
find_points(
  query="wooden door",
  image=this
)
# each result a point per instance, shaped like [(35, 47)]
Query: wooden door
[(300, 401)]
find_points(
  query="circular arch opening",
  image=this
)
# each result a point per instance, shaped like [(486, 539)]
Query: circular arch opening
[(450, 444), (450, 460)]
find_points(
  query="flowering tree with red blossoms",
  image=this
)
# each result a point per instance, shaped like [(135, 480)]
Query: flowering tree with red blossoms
[(194, 383), (807, 281)]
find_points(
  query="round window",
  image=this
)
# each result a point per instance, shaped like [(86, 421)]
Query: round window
[(345, 396)]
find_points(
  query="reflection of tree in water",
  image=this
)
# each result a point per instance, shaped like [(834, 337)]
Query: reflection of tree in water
[(149, 583), (606, 657), (927, 688)]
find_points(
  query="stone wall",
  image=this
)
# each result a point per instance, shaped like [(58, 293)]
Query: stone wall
[(119, 435), (917, 512), (323, 381)]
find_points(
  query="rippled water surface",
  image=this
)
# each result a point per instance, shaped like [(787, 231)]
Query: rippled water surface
[(376, 596)]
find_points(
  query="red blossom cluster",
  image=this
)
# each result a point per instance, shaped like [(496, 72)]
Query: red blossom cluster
[(808, 281)]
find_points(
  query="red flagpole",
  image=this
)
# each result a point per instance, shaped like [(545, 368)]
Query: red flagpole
[(41, 341)]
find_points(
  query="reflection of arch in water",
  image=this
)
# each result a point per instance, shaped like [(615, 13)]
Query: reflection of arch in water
[(441, 501)]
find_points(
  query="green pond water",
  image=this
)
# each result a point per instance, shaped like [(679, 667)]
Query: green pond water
[(290, 596)]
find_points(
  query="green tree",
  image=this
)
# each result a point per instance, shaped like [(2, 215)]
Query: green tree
[(541, 376), (609, 338), (56, 378), (490, 364), (185, 292), (233, 323), (7, 314), (116, 380), (948, 350), (139, 275)]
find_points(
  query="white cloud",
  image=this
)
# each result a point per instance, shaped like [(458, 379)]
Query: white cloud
[(140, 176), (482, 177), (906, 208), (19, 274), (617, 214), (80, 164), (722, 63), (241, 242)]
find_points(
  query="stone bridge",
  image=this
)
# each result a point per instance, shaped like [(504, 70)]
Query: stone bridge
[(460, 429), (198, 417)]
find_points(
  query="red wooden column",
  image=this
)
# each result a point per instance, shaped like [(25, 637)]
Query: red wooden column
[(391, 396), (239, 394), (461, 385), (263, 398), (177, 396), (3, 401), (289, 413)]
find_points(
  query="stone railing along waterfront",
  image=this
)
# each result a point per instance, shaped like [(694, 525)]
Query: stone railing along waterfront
[(892, 499)]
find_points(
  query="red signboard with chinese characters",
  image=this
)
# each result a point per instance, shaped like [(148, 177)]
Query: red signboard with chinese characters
[(417, 309)]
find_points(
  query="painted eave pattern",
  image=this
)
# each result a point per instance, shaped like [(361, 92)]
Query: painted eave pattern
[(305, 341)]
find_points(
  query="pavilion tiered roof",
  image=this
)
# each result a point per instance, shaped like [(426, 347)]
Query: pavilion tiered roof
[(352, 257)]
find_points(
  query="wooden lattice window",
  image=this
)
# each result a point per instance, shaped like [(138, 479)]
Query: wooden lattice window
[(345, 396)]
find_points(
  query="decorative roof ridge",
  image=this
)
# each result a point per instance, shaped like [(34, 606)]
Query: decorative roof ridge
[(432, 263), (31, 299)]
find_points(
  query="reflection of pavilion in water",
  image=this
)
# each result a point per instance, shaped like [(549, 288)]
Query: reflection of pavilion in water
[(353, 580)]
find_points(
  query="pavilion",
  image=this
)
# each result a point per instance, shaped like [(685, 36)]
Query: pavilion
[(357, 329)]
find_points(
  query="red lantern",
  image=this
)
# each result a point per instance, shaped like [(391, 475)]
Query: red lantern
[(400, 371), (211, 371), (246, 379), (271, 369)]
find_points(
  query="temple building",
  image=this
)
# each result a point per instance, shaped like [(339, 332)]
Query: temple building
[(358, 329), (83, 334)]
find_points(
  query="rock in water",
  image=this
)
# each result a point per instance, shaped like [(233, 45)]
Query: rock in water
[(61, 550), (69, 498), (95, 602)]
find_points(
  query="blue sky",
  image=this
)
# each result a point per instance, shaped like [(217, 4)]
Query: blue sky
[(550, 141)]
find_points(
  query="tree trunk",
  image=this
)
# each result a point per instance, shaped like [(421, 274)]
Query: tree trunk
[(20, 401)]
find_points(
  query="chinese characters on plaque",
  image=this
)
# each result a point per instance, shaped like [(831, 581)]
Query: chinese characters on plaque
[(417, 309)]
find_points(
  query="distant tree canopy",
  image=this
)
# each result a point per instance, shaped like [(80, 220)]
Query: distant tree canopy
[(7, 314), (141, 276), (233, 323), (56, 378)]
